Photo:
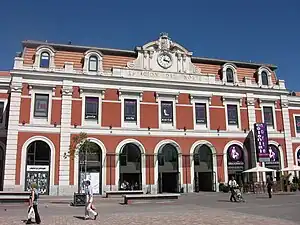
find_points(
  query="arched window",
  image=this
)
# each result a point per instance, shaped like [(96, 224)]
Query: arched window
[(45, 60), (93, 63), (229, 75), (264, 78)]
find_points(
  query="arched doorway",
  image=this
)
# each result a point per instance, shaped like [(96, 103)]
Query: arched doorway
[(203, 169), (274, 163), (90, 167), (130, 172), (38, 169), (2, 160), (235, 163), (168, 169)]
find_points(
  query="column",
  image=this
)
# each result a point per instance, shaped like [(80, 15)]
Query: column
[(287, 131), (12, 137), (65, 136)]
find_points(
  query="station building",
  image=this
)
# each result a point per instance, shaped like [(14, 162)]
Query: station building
[(162, 119)]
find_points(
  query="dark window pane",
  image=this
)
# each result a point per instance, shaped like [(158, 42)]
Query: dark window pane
[(200, 113), (130, 110), (1, 111), (229, 75), (93, 63), (91, 108), (123, 160), (45, 60), (268, 116), (41, 105), (38, 153), (232, 114), (297, 121), (161, 159), (264, 78), (167, 112)]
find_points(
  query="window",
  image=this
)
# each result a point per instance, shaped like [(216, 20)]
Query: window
[(1, 111), (264, 78), (45, 60), (41, 105), (167, 112), (130, 110), (268, 115), (200, 112), (232, 113), (93, 63), (91, 108), (229, 75), (297, 124)]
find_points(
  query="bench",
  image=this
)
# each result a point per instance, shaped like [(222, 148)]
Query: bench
[(123, 192), (149, 197), (14, 197)]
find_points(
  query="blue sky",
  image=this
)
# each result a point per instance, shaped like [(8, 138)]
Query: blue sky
[(265, 31)]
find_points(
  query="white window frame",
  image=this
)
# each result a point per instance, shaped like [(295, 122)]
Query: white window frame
[(239, 125), (172, 97), (5, 101), (234, 70), (259, 72), (86, 62), (207, 102), (134, 96), (294, 116), (38, 54), (262, 105), (89, 122), (44, 121)]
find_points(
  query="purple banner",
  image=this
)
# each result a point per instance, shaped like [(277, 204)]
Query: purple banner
[(261, 137), (235, 158), (298, 157), (274, 156)]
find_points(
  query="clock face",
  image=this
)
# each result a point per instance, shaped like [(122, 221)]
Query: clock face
[(164, 60)]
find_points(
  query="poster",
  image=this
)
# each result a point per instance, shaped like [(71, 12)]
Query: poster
[(167, 112), (40, 176), (261, 140), (94, 178), (235, 158), (274, 158)]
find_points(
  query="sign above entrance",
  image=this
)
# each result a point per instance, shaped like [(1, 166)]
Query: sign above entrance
[(37, 168), (261, 137)]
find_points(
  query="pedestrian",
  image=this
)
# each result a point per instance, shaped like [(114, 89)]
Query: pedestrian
[(269, 186), (232, 185), (33, 204), (89, 201)]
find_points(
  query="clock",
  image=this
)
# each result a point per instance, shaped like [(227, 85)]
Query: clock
[(164, 60)]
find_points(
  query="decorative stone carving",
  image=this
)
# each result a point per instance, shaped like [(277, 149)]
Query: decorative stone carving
[(16, 87), (251, 102), (67, 91), (284, 104)]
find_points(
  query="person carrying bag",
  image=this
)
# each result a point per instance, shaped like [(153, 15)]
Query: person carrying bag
[(33, 202)]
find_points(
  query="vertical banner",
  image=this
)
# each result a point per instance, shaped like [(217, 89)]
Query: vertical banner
[(274, 156), (261, 140), (167, 112), (235, 159), (298, 157)]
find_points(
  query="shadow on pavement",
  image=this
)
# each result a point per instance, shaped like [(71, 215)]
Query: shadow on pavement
[(79, 217)]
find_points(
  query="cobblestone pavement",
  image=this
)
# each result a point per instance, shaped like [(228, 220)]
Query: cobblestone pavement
[(193, 209)]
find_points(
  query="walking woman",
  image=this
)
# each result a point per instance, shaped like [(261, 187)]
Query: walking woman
[(33, 202)]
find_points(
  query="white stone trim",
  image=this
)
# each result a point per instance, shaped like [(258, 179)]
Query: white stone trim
[(134, 96), (259, 72), (295, 129), (87, 56), (118, 149), (4, 117), (172, 99), (207, 102), (39, 51), (24, 161), (233, 127), (33, 93), (214, 157), (91, 123), (159, 146), (103, 164), (262, 105), (234, 70), (246, 159)]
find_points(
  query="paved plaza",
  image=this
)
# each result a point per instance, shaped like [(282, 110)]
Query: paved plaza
[(201, 208)]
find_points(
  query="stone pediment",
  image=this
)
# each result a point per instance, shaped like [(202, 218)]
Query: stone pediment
[(164, 55)]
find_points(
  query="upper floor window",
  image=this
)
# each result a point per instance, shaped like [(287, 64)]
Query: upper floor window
[(232, 115), (297, 124), (91, 108), (93, 63), (229, 75), (45, 60), (268, 115), (200, 112), (264, 78), (1, 112), (166, 112), (41, 105), (130, 110)]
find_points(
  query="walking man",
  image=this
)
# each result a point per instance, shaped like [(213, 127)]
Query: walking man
[(232, 185), (89, 201), (33, 205), (269, 186)]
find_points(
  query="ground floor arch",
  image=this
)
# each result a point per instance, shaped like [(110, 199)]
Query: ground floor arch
[(2, 165), (91, 166), (130, 165), (38, 163), (235, 159), (168, 167), (203, 166)]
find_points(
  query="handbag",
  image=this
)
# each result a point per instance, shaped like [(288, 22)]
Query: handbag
[(31, 214)]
